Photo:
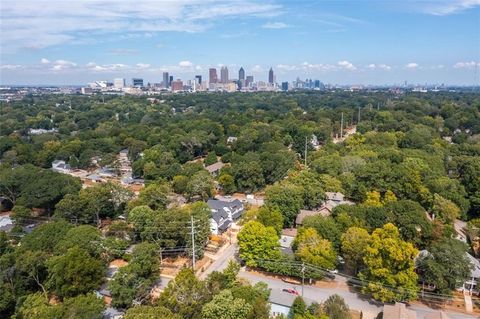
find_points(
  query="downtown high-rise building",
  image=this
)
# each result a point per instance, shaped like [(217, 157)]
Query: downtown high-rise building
[(198, 79), (248, 80), (270, 76), (119, 83), (212, 75), (241, 74), (224, 74), (137, 82), (166, 80)]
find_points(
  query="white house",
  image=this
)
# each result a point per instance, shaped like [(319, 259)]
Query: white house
[(281, 302), (223, 214), (471, 285), (61, 167)]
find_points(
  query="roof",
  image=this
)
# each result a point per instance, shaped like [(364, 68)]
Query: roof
[(220, 204), (307, 213), (398, 311), (335, 196), (219, 215), (437, 315), (292, 232), (215, 167), (6, 223), (286, 241), (112, 313), (476, 266)]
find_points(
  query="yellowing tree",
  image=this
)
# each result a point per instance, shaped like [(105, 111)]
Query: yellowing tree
[(257, 242), (354, 242), (311, 248), (389, 266), (373, 199)]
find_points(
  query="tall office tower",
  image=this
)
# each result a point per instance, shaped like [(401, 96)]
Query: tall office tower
[(119, 83), (241, 74), (137, 82), (224, 74), (270, 76), (212, 75), (284, 86), (198, 78), (249, 80), (166, 80), (170, 80), (177, 85)]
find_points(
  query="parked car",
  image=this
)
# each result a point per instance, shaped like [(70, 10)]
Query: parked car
[(290, 291)]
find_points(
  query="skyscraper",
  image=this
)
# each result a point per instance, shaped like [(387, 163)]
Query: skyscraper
[(119, 83), (270, 76), (224, 74), (284, 86), (198, 78), (212, 75), (166, 80), (137, 82), (249, 80), (170, 80), (241, 74)]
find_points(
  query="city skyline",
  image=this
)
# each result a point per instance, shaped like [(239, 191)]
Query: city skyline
[(348, 42)]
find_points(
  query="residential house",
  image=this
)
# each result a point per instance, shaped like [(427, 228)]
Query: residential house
[(224, 213), (215, 168), (112, 313), (61, 167), (398, 311), (287, 237), (6, 223), (281, 302), (472, 284), (304, 213), (231, 139)]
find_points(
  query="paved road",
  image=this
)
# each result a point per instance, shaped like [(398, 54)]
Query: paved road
[(369, 310), (221, 262)]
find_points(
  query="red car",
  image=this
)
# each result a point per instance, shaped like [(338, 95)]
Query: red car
[(290, 291)]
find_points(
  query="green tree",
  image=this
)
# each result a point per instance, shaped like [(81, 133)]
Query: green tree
[(271, 217), (288, 198), (180, 183), (445, 265), (257, 242), (389, 263), (155, 196), (445, 209), (74, 273), (201, 185), (326, 227), (83, 236), (185, 295), (45, 237), (225, 306), (299, 308), (227, 183), (83, 307), (210, 159), (336, 308), (149, 312), (354, 243), (312, 249)]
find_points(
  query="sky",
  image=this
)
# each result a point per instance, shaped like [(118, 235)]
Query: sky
[(339, 42)]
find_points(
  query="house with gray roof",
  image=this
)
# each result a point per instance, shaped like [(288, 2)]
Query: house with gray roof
[(281, 302), (215, 168), (61, 167), (223, 214)]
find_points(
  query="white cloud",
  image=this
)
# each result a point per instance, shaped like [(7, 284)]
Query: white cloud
[(185, 64), (44, 61), (11, 66), (124, 51), (412, 66), (346, 65), (37, 24), (379, 67), (275, 25), (444, 7), (143, 65), (466, 65)]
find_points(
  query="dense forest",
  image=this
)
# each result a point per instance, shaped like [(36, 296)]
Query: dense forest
[(412, 168)]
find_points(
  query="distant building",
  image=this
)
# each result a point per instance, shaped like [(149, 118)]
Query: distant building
[(224, 74), (177, 85), (198, 78), (137, 82), (284, 86), (271, 76), (60, 166), (281, 302), (215, 168), (87, 90), (212, 75), (119, 83), (6, 223), (231, 139), (166, 80), (249, 80), (241, 74), (170, 80)]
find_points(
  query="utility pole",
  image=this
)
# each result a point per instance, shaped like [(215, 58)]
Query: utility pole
[(306, 151), (341, 127), (358, 115), (193, 243), (303, 276)]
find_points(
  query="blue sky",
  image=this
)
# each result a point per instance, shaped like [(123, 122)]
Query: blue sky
[(344, 42)]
